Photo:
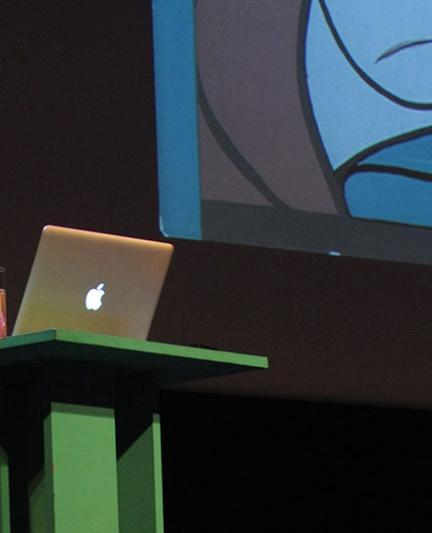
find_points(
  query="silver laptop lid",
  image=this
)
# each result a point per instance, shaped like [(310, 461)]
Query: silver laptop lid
[(96, 282)]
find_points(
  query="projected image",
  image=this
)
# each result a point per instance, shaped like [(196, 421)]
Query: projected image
[(310, 126), (372, 101)]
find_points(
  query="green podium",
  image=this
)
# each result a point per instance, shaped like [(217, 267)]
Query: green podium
[(80, 447)]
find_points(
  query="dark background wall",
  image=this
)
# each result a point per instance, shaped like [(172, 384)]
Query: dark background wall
[(78, 149)]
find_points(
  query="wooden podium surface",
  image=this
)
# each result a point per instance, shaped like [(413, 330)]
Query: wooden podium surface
[(80, 441)]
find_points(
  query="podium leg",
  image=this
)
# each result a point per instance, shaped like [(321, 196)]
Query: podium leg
[(4, 493), (139, 463), (80, 482)]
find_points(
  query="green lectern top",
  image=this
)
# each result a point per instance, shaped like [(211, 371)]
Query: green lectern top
[(167, 362)]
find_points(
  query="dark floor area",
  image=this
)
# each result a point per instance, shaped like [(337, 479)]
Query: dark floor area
[(238, 464)]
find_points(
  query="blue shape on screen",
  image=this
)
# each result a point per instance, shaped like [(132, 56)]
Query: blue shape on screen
[(374, 89), (389, 197), (352, 115), (414, 154), (177, 122)]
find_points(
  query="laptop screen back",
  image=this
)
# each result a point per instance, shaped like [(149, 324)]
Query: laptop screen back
[(95, 282)]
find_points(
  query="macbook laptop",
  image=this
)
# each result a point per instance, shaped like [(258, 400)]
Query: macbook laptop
[(94, 282)]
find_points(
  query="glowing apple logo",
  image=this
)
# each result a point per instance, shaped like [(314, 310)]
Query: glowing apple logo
[(93, 299)]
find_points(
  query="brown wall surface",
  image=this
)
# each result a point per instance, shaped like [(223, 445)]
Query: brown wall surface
[(78, 148)]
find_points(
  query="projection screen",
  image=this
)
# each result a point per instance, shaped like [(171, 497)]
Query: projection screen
[(304, 125)]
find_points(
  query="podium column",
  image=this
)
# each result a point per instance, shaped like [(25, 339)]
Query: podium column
[(139, 456), (75, 487), (80, 475), (4, 493)]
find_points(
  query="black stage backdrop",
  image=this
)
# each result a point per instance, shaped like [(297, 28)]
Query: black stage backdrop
[(78, 149)]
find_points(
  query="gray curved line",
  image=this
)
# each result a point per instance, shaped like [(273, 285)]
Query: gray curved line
[(232, 152), (402, 46)]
